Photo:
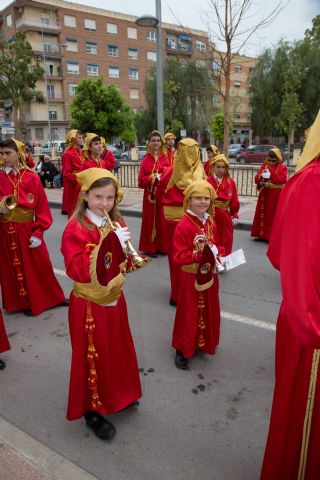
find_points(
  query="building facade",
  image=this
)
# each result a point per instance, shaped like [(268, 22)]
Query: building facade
[(72, 42)]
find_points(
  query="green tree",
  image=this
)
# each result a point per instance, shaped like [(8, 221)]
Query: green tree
[(18, 77), (313, 34), (217, 127), (188, 94), (101, 109)]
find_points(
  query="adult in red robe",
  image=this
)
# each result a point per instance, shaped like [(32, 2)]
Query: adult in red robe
[(187, 168), (292, 450), (197, 320), (226, 203), (270, 181), (106, 158), (26, 275), (71, 160), (154, 164), (170, 139), (4, 342), (98, 318), (212, 151)]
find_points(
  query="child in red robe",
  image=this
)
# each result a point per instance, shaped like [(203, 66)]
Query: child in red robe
[(154, 164), (270, 181), (197, 321), (226, 204), (27, 279), (104, 374), (71, 160)]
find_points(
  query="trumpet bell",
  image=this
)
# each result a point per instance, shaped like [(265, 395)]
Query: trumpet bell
[(135, 261), (11, 202)]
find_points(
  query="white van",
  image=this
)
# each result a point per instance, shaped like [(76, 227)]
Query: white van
[(58, 145)]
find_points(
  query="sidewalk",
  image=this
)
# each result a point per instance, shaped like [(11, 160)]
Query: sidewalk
[(22, 457), (132, 205)]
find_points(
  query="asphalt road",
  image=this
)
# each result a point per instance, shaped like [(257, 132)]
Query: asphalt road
[(208, 423)]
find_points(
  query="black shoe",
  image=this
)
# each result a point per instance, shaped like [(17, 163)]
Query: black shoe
[(28, 313), (65, 303), (173, 303), (101, 427), (2, 365), (180, 361), (152, 255)]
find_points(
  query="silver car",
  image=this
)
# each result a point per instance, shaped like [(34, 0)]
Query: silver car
[(233, 149)]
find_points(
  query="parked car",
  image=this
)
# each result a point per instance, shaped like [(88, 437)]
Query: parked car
[(58, 145), (142, 150), (235, 148), (254, 154)]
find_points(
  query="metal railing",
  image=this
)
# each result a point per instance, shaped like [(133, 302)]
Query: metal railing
[(243, 175)]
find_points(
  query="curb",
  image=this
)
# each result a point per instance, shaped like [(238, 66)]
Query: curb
[(29, 452)]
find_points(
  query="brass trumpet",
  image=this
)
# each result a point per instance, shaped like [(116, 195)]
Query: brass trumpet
[(137, 261), (10, 202)]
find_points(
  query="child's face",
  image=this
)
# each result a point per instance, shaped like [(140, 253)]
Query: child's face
[(10, 157), (101, 199), (219, 169), (155, 143), (199, 205), (95, 147)]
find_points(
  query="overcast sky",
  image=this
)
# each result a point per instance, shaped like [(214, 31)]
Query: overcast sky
[(290, 24)]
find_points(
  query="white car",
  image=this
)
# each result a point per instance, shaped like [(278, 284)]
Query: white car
[(233, 149)]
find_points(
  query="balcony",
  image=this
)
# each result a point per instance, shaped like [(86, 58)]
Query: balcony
[(26, 24)]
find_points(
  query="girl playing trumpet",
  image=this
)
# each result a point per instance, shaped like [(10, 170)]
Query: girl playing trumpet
[(104, 372)]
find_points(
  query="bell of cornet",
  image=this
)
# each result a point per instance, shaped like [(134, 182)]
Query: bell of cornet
[(136, 261), (10, 202)]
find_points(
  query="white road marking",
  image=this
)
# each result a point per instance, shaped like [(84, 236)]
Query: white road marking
[(248, 321), (253, 322)]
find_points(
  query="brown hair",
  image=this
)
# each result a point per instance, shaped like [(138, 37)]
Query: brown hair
[(114, 213)]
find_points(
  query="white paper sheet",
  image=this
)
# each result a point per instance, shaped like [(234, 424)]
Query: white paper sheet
[(235, 259)]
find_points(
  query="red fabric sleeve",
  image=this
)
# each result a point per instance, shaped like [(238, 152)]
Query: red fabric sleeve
[(42, 213), (76, 251), (144, 179), (234, 203), (183, 246), (109, 162), (279, 175)]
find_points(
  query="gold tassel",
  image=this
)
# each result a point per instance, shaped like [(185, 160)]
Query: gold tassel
[(201, 323), (92, 355)]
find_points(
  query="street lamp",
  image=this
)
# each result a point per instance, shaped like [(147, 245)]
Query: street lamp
[(150, 21), (46, 90)]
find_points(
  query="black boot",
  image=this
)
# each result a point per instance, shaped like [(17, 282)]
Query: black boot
[(101, 427), (2, 364), (180, 361)]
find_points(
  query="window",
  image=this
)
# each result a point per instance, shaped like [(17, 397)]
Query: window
[(92, 70), (50, 48), (216, 65), (201, 62), (114, 72), (91, 48), (132, 53), (152, 36), (249, 116), (152, 56), (72, 89), (89, 25), (70, 21), (202, 47), (53, 114), (133, 74), (9, 20), (237, 68), (112, 29), (48, 68), (45, 21), (237, 115), (251, 70), (73, 68), (51, 91), (132, 33), (134, 93), (237, 84), (171, 43), (72, 44), (39, 133), (113, 50)]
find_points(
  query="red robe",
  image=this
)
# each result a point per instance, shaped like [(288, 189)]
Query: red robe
[(4, 342), (294, 250), (152, 239), (171, 154), (107, 159), (30, 162), (71, 160), (173, 198), (268, 200), (118, 381), (185, 332), (38, 289), (226, 192)]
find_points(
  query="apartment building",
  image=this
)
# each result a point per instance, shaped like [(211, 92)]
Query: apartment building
[(72, 42)]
